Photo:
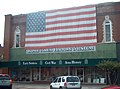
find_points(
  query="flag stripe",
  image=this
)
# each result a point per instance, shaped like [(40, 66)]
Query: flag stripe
[(60, 33), (71, 14), (72, 23), (72, 8), (73, 26), (63, 43), (61, 36), (71, 17), (71, 20), (63, 30), (60, 39)]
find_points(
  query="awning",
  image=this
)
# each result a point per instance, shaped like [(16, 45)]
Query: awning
[(51, 63)]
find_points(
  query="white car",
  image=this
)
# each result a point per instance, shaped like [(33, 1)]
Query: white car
[(66, 82)]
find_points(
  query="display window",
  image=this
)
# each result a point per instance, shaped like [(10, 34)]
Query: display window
[(86, 74), (94, 75)]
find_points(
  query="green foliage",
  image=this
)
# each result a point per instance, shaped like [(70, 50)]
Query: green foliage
[(112, 69), (117, 65), (107, 65)]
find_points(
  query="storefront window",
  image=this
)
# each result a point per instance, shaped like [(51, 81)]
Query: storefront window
[(35, 74), (94, 75), (87, 74), (50, 72)]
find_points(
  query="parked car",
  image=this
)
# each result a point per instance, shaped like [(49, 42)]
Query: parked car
[(5, 81), (111, 87), (66, 82)]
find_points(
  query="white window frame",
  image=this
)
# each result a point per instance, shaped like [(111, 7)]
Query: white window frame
[(17, 32), (107, 21)]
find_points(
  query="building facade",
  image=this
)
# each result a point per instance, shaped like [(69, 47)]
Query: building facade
[(1, 53), (27, 59), (1, 56)]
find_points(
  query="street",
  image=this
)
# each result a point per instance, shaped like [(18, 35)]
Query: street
[(30, 86), (46, 86)]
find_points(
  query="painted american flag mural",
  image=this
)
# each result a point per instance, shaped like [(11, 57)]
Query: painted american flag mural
[(63, 30)]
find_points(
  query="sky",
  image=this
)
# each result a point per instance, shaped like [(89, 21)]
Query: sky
[(16, 7)]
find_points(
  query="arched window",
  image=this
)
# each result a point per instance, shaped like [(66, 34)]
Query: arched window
[(107, 29), (17, 37)]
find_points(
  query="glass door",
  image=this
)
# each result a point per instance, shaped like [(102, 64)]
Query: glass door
[(80, 73), (35, 74)]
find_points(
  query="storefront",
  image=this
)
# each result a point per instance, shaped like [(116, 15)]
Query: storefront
[(88, 74), (47, 70)]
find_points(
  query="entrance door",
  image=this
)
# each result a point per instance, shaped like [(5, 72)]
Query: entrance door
[(35, 74), (24, 74), (80, 73)]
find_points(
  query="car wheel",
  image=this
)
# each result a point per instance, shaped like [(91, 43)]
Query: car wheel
[(80, 87), (51, 87), (10, 87), (60, 88)]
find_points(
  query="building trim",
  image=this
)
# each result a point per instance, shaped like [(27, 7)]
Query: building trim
[(108, 4)]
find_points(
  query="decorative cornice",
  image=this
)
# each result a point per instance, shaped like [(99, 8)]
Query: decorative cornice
[(108, 13), (107, 4)]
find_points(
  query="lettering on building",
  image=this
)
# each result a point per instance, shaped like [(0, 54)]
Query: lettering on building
[(60, 50)]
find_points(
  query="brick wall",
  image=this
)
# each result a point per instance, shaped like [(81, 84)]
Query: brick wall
[(1, 52), (113, 10), (8, 20), (18, 20)]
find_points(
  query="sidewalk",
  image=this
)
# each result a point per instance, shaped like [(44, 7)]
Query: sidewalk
[(31, 85)]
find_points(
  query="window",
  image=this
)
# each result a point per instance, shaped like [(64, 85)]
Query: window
[(59, 80), (63, 80), (1, 56), (17, 37), (107, 29), (55, 80), (72, 79)]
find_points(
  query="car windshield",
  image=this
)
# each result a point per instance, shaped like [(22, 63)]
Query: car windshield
[(4, 77), (72, 79)]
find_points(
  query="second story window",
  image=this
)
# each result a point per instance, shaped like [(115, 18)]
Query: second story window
[(107, 30), (17, 37), (17, 40)]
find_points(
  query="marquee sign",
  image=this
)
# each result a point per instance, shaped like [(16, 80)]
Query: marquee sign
[(52, 63), (60, 50)]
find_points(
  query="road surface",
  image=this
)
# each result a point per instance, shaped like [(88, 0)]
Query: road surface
[(46, 86)]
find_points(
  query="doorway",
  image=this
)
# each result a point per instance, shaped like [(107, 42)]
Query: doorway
[(80, 73)]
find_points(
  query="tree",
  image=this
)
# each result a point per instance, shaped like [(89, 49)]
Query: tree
[(112, 69)]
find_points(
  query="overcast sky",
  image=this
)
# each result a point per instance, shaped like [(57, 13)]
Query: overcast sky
[(16, 7)]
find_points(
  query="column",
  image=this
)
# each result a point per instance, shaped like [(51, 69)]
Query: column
[(31, 74), (39, 73), (68, 70)]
